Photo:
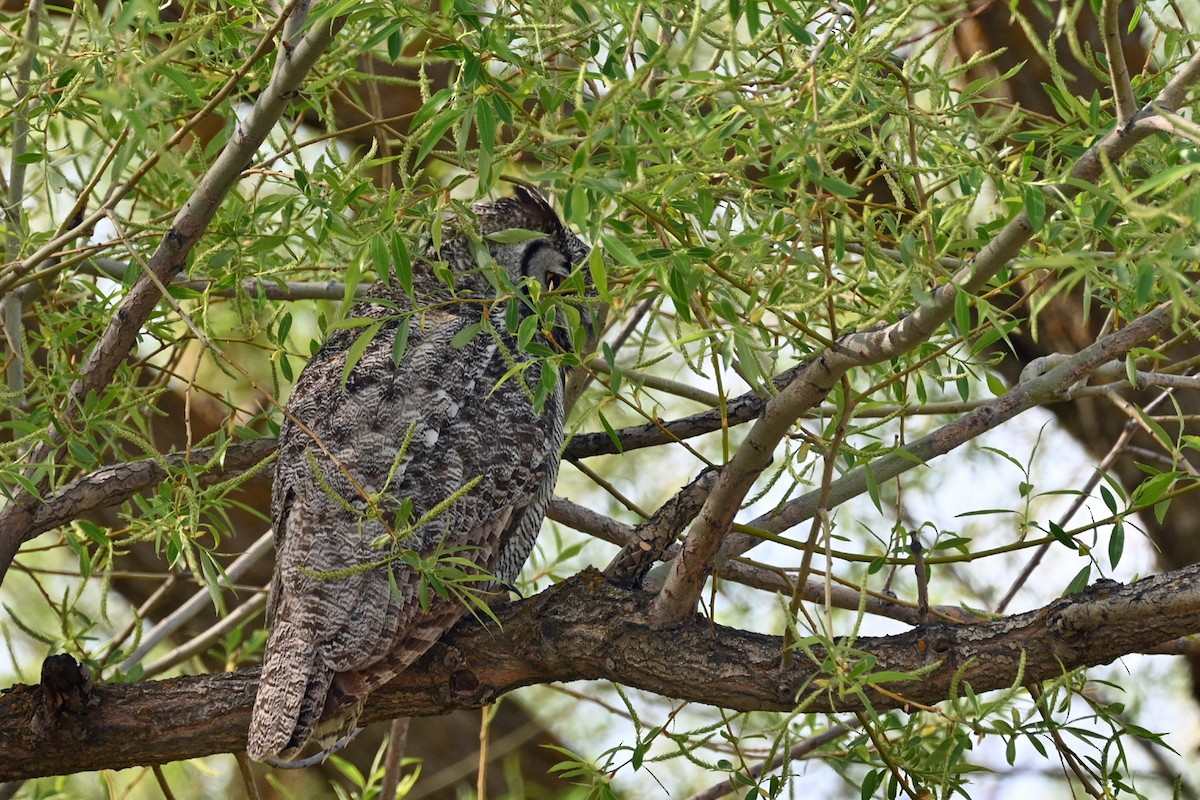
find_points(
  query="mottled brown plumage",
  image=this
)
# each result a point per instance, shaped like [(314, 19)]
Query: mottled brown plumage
[(341, 480)]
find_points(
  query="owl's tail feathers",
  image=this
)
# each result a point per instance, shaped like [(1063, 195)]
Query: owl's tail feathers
[(339, 718), (336, 729), (291, 693)]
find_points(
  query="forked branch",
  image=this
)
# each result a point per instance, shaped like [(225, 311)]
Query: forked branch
[(681, 591)]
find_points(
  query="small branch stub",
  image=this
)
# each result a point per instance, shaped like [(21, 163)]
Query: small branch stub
[(66, 685)]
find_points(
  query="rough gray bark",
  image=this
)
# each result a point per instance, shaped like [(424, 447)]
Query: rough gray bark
[(587, 628)]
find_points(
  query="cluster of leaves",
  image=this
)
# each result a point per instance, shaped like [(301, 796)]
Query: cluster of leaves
[(757, 179)]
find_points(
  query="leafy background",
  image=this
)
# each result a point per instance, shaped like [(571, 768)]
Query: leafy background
[(758, 179)]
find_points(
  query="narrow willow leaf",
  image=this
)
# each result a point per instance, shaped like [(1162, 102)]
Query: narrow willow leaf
[(466, 334), (356, 351)]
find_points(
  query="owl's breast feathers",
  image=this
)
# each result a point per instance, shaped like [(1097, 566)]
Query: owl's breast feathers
[(344, 619)]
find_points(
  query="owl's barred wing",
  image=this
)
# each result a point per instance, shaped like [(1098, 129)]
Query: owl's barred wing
[(363, 458), (331, 618)]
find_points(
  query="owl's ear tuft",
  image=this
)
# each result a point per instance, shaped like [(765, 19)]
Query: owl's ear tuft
[(531, 197), (539, 211)]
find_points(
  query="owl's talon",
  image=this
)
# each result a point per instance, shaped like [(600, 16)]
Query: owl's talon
[(315, 758)]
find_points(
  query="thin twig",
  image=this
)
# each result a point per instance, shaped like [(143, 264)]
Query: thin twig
[(1080, 498), (198, 644), (393, 760), (247, 772), (1070, 761), (922, 577), (197, 602), (163, 786), (796, 752), (885, 754), (135, 619), (651, 381), (1034, 391), (255, 287), (845, 595), (13, 302), (486, 714), (1118, 71)]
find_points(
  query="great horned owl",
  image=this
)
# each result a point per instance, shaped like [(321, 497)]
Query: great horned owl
[(365, 454)]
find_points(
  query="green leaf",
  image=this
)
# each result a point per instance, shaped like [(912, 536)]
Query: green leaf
[(1109, 500), (465, 335), (612, 434), (962, 312), (599, 273), (527, 329), (753, 19), (349, 323), (284, 327), (514, 235), (395, 45), (873, 487), (547, 383), (639, 755), (871, 783), (1035, 206), (431, 108), (182, 83), (400, 343), (891, 676), (485, 131), (836, 186), (1147, 280), (356, 351), (1079, 582), (619, 250), (1151, 490), (401, 265), (1156, 429), (437, 130), (1116, 545), (380, 259), (1062, 536)]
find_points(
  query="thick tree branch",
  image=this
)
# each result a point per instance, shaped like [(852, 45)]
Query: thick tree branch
[(646, 544), (587, 628), (117, 483)]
